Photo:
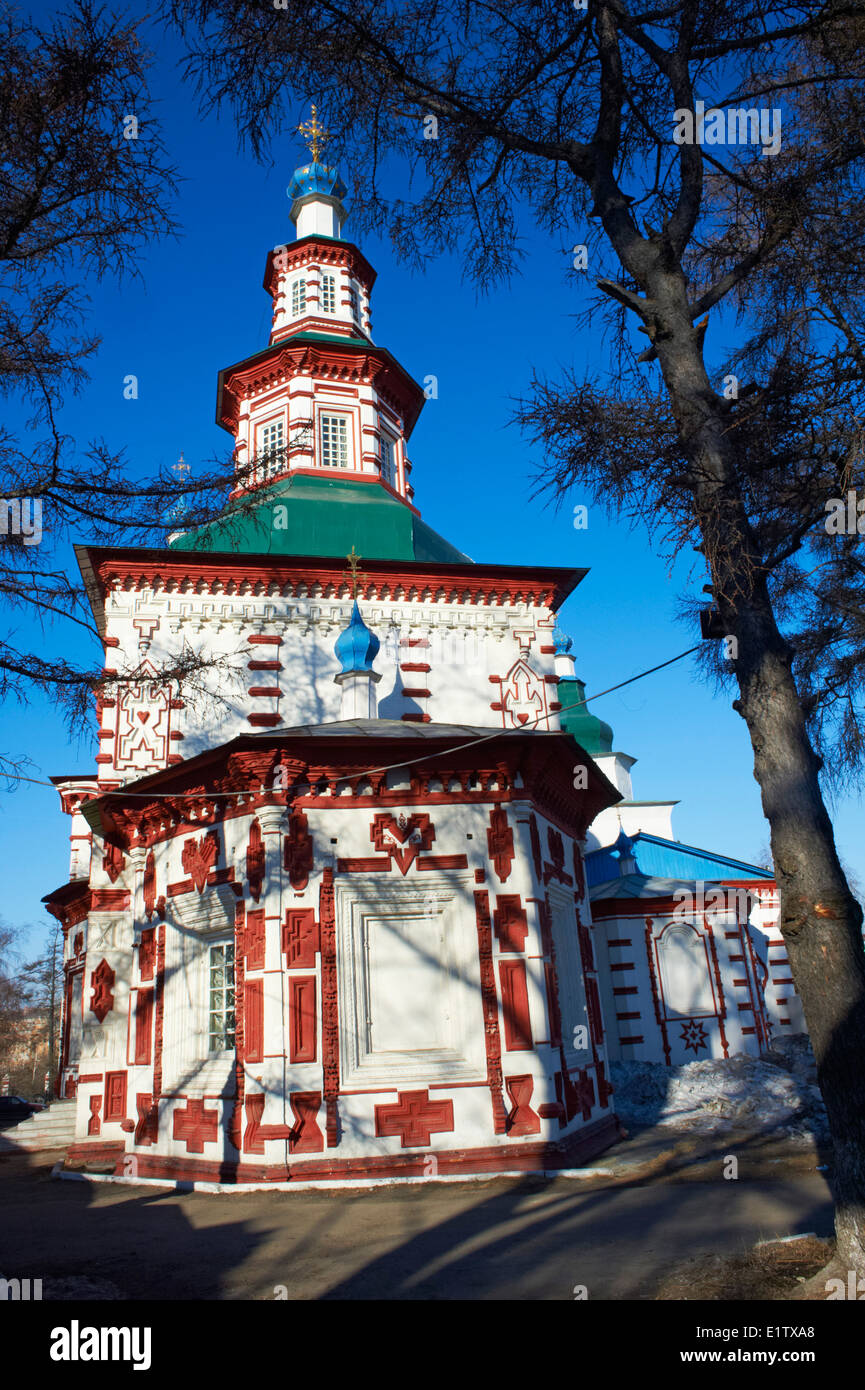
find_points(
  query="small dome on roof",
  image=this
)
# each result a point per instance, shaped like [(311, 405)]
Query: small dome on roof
[(562, 642), (316, 178), (356, 647)]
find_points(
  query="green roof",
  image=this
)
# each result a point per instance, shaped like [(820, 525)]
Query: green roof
[(305, 515), (589, 731)]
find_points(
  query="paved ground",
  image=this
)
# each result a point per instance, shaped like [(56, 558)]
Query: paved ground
[(525, 1238)]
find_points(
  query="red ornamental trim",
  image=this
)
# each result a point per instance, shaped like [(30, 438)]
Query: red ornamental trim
[(253, 1020), (199, 856), (586, 952), (255, 859), (557, 854), (504, 585), (250, 937), (579, 872), (302, 1017), (329, 1007), (402, 837), (305, 1137), (500, 843), (522, 1118), (489, 1004), (515, 1006), (94, 1124), (256, 1134), (298, 851), (143, 1026), (113, 863), (147, 1127), (511, 924), (235, 1118), (115, 1096), (414, 1118), (593, 1005), (196, 1126), (102, 984), (110, 900), (147, 953), (300, 938)]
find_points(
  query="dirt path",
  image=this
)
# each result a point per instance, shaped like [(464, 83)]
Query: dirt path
[(519, 1238)]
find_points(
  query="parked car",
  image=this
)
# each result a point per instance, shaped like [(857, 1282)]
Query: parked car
[(15, 1108)]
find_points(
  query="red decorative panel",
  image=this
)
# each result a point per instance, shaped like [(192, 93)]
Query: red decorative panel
[(298, 851), (143, 720), (414, 1118), (196, 1126), (509, 918), (115, 1096), (402, 837), (442, 861), (300, 937), (143, 1026), (557, 854), (78, 943), (102, 984), (579, 872), (305, 1137), (586, 953), (199, 856), (329, 1007), (522, 1119), (94, 1124), (302, 1018), (596, 1019), (552, 987), (147, 953), (251, 939), (585, 1094), (253, 1020), (489, 1003), (255, 860), (500, 843), (147, 1126), (515, 1006), (113, 863)]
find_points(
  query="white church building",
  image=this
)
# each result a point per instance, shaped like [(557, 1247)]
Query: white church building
[(382, 895)]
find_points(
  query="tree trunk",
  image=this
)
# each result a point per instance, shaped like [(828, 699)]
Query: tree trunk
[(820, 919)]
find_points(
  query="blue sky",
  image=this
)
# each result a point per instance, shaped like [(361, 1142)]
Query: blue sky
[(200, 307)]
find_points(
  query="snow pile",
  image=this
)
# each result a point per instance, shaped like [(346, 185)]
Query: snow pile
[(777, 1092)]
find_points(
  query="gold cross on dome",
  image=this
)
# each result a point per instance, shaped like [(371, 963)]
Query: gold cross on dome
[(180, 467), (356, 573), (315, 135)]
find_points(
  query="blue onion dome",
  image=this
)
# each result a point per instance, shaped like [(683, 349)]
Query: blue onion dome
[(562, 642), (356, 647), (316, 178)]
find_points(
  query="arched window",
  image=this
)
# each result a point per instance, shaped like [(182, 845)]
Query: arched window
[(328, 294), (685, 979)]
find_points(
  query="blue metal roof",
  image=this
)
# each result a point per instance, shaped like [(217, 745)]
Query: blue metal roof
[(669, 859)]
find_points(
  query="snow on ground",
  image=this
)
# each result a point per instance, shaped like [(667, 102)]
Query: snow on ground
[(774, 1093)]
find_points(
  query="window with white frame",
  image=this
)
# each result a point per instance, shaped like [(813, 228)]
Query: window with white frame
[(354, 304), (271, 441), (387, 459), (221, 1002), (328, 294), (334, 441), (298, 297)]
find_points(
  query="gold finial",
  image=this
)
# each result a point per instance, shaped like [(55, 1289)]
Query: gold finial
[(356, 573), (315, 135), (180, 467)]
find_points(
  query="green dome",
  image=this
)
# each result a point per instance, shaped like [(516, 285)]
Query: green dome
[(589, 731), (306, 515)]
